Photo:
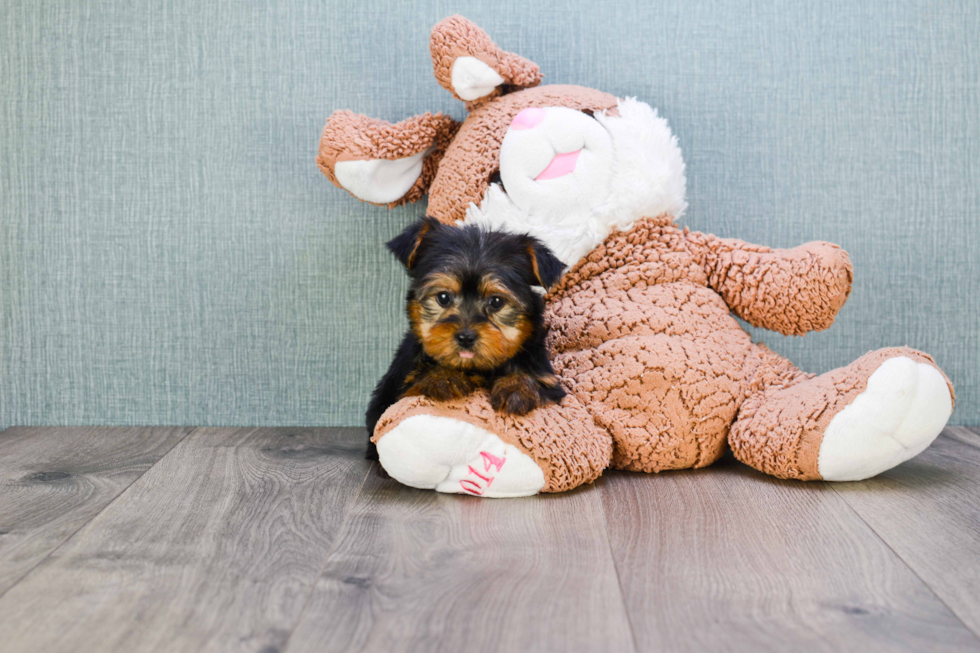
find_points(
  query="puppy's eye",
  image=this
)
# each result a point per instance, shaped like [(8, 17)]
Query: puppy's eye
[(495, 303), (444, 299)]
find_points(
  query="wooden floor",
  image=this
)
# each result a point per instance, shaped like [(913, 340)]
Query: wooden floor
[(271, 540)]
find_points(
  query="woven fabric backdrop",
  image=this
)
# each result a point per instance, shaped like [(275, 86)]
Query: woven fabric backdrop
[(169, 253)]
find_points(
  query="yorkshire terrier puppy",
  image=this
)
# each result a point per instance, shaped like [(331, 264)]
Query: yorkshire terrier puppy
[(475, 320)]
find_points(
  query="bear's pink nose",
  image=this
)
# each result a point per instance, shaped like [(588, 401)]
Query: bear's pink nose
[(527, 119)]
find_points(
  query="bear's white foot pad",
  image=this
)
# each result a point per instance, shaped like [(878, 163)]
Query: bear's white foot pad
[(901, 411), (448, 455)]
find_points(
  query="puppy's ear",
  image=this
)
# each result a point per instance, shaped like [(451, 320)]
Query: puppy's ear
[(545, 265), (406, 245)]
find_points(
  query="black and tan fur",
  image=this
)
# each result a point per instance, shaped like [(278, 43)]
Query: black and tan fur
[(475, 320)]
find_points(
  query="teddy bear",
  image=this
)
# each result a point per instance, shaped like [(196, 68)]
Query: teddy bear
[(643, 335)]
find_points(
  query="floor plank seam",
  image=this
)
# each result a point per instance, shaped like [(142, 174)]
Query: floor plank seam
[(904, 562), (619, 582), (27, 573), (326, 559)]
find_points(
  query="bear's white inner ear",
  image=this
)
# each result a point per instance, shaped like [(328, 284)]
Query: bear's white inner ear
[(473, 79), (380, 181)]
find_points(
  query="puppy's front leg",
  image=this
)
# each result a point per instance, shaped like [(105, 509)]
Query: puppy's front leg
[(519, 393), (443, 384)]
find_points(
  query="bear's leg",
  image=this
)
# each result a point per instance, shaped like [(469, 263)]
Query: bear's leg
[(465, 447), (846, 425), (667, 401)]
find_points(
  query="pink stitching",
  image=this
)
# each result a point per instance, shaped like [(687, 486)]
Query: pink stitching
[(490, 461), (488, 480), (478, 491)]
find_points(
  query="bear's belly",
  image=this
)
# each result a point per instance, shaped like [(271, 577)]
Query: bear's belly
[(660, 367), (587, 318)]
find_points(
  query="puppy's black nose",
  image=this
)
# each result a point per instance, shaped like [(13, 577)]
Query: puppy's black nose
[(465, 338)]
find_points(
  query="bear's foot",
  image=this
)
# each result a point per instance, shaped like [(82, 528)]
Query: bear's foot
[(901, 411), (449, 455), (465, 447), (849, 424)]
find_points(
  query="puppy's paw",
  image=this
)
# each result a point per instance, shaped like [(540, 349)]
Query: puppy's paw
[(550, 389), (444, 384), (517, 394)]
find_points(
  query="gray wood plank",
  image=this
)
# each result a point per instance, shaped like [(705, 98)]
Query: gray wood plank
[(928, 512), (420, 571), (54, 480), (215, 548), (726, 558)]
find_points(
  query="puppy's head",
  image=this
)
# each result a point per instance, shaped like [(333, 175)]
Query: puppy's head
[(472, 302)]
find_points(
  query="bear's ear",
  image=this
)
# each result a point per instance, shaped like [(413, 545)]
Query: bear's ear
[(406, 245), (547, 268), (468, 64), (381, 163)]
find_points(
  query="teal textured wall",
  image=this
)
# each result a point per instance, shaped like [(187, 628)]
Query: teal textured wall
[(169, 253)]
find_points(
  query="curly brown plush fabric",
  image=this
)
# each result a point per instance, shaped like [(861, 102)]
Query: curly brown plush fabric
[(649, 349), (790, 291), (456, 37), (643, 337), (349, 136), (562, 440)]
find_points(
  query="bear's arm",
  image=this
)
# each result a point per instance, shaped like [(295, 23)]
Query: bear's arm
[(792, 291)]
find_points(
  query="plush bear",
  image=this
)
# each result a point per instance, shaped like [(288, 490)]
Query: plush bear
[(659, 373)]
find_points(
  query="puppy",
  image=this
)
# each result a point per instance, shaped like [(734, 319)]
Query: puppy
[(475, 320)]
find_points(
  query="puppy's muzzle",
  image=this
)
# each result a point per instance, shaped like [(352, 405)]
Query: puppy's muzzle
[(465, 338)]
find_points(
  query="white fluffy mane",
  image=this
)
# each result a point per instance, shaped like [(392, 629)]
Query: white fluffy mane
[(647, 181)]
